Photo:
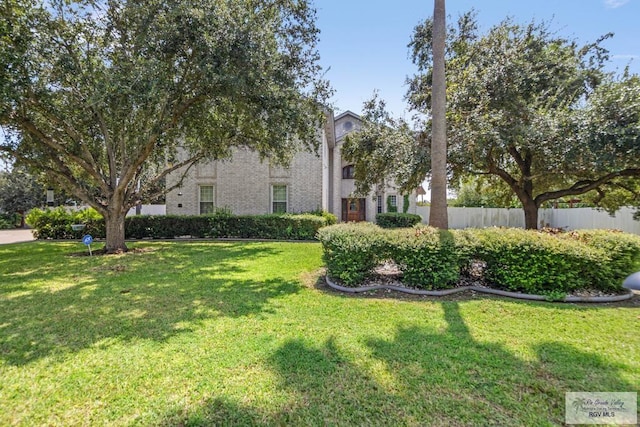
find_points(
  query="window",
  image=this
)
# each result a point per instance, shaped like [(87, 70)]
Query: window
[(206, 199), (348, 172), (392, 203), (278, 198), (379, 204)]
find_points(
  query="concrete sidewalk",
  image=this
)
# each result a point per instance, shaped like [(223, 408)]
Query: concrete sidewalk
[(15, 236)]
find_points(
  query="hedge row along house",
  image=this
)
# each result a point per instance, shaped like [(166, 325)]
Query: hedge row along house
[(248, 186)]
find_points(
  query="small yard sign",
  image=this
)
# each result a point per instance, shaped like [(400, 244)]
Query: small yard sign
[(87, 239)]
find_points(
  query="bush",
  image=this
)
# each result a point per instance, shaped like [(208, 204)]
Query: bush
[(618, 256), (532, 262), (352, 250), (516, 260), (397, 220), (56, 224), (8, 221), (273, 226), (427, 257), (166, 226)]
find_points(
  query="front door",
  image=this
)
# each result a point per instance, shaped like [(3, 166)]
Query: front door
[(353, 210)]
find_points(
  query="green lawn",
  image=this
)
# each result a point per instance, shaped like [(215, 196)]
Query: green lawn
[(243, 334)]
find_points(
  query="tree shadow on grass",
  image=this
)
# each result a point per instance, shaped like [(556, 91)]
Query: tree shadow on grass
[(421, 376), (152, 296)]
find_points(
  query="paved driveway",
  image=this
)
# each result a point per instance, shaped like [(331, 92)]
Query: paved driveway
[(15, 236)]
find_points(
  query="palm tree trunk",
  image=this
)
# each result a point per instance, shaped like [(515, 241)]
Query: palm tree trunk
[(438, 212)]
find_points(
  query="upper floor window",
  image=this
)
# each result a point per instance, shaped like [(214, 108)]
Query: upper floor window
[(348, 172)]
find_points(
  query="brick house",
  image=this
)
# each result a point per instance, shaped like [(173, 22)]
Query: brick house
[(247, 186)]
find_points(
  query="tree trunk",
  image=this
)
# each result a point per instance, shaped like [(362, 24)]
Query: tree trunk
[(438, 213), (530, 215), (114, 223)]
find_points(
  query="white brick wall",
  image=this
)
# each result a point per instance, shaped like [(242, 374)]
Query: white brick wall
[(243, 184)]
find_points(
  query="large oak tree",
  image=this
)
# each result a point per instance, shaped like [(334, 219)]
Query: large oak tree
[(535, 110), (102, 94)]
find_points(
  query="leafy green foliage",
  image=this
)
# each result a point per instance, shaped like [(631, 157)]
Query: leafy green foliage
[(352, 250), (516, 260), (428, 257), (618, 255), (384, 150), (481, 191), (532, 109), (272, 226), (532, 262), (108, 98), (20, 191), (56, 224), (396, 220), (8, 221)]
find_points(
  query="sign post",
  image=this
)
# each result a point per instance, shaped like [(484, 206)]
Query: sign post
[(87, 239)]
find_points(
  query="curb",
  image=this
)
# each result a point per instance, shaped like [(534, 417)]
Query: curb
[(516, 295)]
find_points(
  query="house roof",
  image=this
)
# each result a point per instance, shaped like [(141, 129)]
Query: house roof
[(348, 113), (330, 128)]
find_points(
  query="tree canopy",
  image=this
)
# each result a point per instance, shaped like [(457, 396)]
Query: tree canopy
[(19, 192), (102, 94), (535, 110), (528, 107)]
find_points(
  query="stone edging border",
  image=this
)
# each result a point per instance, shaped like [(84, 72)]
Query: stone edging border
[(445, 292)]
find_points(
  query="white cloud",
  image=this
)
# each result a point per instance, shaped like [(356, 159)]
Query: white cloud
[(614, 4)]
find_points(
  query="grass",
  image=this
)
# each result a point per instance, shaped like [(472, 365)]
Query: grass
[(241, 334)]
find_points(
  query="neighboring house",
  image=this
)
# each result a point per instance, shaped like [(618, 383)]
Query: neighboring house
[(247, 186)]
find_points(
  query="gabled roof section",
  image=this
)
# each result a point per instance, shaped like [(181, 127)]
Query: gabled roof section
[(348, 113)]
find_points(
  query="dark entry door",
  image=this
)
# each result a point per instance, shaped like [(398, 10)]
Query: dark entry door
[(353, 210)]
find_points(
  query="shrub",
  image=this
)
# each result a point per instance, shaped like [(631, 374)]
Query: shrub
[(532, 262), (8, 221), (618, 256), (428, 257), (397, 220), (516, 260), (272, 226), (56, 223), (352, 250), (166, 226)]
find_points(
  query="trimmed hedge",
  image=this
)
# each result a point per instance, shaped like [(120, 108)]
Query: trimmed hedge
[(352, 250), (532, 262), (427, 257), (619, 255), (56, 224), (517, 260), (397, 220)]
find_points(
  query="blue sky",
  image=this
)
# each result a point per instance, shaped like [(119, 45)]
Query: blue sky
[(364, 42)]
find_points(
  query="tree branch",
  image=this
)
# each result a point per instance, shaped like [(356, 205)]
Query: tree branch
[(582, 187), (33, 130)]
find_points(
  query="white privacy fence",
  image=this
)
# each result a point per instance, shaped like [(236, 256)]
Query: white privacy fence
[(149, 210), (144, 209), (569, 219)]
